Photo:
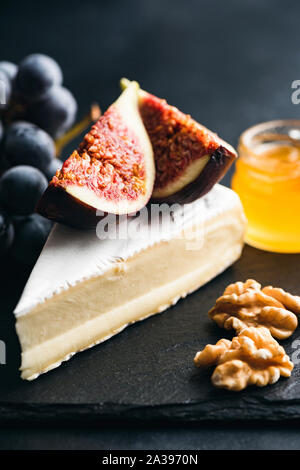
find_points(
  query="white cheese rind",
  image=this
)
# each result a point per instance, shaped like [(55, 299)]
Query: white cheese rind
[(72, 301), (71, 255)]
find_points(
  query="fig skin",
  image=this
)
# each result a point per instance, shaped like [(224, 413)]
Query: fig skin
[(220, 160), (58, 205), (66, 203), (217, 166)]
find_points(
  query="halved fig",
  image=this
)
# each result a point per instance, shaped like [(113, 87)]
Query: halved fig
[(189, 158), (112, 171)]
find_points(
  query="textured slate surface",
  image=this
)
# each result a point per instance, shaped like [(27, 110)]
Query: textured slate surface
[(147, 371), (132, 436)]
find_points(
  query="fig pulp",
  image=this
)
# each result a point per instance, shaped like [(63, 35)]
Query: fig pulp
[(189, 159), (112, 171)]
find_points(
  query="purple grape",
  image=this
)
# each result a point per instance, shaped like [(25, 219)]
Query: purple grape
[(17, 220), (5, 90), (6, 233), (27, 144), (36, 75), (56, 112), (31, 235), (52, 168), (20, 189), (9, 68)]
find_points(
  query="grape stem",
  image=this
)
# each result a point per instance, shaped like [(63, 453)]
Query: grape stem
[(92, 116)]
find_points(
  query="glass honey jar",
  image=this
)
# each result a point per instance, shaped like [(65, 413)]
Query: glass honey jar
[(267, 179)]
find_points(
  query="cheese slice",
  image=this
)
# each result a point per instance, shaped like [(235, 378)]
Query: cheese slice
[(88, 285)]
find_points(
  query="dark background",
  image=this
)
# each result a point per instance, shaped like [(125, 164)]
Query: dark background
[(228, 64)]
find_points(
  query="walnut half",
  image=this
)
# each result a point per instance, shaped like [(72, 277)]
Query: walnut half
[(252, 358), (290, 302), (245, 304)]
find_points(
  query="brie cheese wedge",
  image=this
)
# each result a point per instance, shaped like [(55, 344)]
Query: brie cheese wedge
[(89, 285)]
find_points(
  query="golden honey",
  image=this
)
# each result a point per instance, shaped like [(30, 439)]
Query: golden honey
[(267, 179)]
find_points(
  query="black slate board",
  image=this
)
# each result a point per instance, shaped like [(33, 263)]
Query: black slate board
[(147, 372)]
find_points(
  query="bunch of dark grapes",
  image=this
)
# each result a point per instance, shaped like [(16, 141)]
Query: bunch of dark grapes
[(35, 109)]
